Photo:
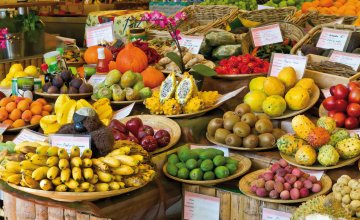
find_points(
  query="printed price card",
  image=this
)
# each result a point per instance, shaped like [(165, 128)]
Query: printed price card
[(229, 95), (265, 35), (124, 112), (350, 59), (3, 128), (260, 7), (326, 92), (333, 39), (198, 206), (317, 173), (271, 214), (279, 61), (192, 43), (29, 135), (96, 79), (6, 91), (67, 141), (224, 149), (98, 33)]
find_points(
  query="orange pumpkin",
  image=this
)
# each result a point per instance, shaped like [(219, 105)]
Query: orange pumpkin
[(91, 55), (152, 77), (131, 58)]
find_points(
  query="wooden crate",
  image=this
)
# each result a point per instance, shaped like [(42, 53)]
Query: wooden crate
[(26, 61)]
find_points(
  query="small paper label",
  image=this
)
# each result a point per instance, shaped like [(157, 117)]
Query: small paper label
[(224, 149), (229, 95), (96, 79), (29, 135), (260, 7), (99, 33), (124, 112), (317, 173), (350, 59), (192, 43), (333, 39), (67, 141), (265, 35), (6, 91), (279, 61), (198, 206), (271, 214), (3, 128), (326, 92)]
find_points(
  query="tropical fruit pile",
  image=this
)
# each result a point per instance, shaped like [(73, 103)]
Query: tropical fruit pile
[(17, 70), (283, 181), (242, 128), (333, 7), (18, 111), (321, 142), (244, 64), (51, 168), (65, 109), (180, 97), (273, 95), (242, 4), (200, 164), (347, 191), (285, 3)]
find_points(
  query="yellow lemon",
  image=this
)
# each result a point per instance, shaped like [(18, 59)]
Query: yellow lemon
[(20, 74), (308, 84), (297, 98), (288, 76), (5, 83), (16, 67), (273, 86), (255, 99), (274, 105), (257, 84), (31, 70)]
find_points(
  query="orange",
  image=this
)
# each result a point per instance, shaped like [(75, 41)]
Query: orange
[(5, 101), (152, 77), (45, 113), (36, 110), (18, 123), (326, 3), (47, 108), (23, 105), (35, 119), (15, 114), (10, 106), (8, 122), (36, 103), (3, 114), (14, 97), (42, 101), (26, 115)]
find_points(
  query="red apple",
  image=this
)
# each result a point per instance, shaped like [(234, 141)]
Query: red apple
[(133, 125), (331, 113), (332, 90), (329, 103), (145, 131), (115, 124), (353, 85), (162, 137), (353, 110), (118, 135), (339, 117), (340, 91), (149, 143), (340, 105), (354, 96), (351, 123)]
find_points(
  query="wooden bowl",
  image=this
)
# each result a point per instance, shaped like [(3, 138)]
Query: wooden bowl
[(116, 103), (243, 166), (72, 96), (160, 122), (245, 182)]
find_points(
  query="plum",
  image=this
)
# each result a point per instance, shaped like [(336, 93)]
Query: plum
[(261, 192), (149, 143), (296, 172), (118, 135), (260, 183), (308, 184), (279, 187), (304, 192), (316, 188), (253, 188), (162, 137), (283, 163), (275, 167), (279, 179), (302, 179), (298, 184), (115, 124), (269, 185), (312, 179), (290, 178), (281, 172), (294, 193), (268, 175), (288, 169), (133, 125), (287, 186), (285, 195), (144, 131), (274, 194)]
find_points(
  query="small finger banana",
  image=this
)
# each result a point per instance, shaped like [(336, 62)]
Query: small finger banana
[(75, 152), (85, 185), (42, 150), (56, 181), (52, 161), (76, 162), (46, 185), (72, 184), (118, 178), (114, 185), (30, 182), (52, 151), (87, 153), (104, 177), (26, 172), (61, 188), (138, 157), (42, 143), (38, 160), (122, 185), (53, 172), (76, 173), (78, 189), (86, 162), (28, 165), (13, 167), (14, 179), (102, 187), (94, 180), (123, 170), (91, 188), (40, 173), (88, 173), (29, 155), (65, 175), (127, 160), (100, 165), (64, 164), (116, 152), (62, 154), (110, 161)]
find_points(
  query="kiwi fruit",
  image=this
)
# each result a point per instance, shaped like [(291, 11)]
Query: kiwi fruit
[(262, 116), (220, 135), (214, 124), (278, 132), (254, 131), (250, 141), (242, 109), (230, 121), (233, 140), (241, 129), (249, 118), (266, 140), (228, 113), (264, 126)]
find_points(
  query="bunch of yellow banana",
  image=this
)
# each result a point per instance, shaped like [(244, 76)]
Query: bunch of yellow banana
[(104, 110)]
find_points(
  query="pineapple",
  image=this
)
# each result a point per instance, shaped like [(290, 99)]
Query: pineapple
[(302, 126)]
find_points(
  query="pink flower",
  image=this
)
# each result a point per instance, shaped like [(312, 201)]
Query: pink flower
[(146, 17), (176, 35), (180, 16), (172, 21)]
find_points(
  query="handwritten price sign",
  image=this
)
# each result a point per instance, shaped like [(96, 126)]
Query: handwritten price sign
[(193, 43), (265, 35), (350, 59), (333, 39), (68, 141), (279, 61), (198, 206)]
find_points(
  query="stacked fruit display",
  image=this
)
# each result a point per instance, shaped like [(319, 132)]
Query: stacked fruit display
[(344, 105), (243, 4), (322, 143), (347, 191), (16, 70), (332, 7), (183, 97), (284, 3), (53, 169), (283, 181), (244, 64), (134, 130), (242, 128), (66, 83), (200, 164), (273, 95), (18, 111), (122, 87)]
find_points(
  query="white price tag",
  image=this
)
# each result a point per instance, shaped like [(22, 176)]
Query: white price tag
[(29, 135), (269, 34), (326, 92), (333, 39), (350, 59), (98, 33), (6, 91), (224, 149), (3, 128), (317, 173), (192, 43), (260, 7), (68, 140), (198, 206), (271, 214), (229, 95), (124, 112), (96, 79), (279, 61)]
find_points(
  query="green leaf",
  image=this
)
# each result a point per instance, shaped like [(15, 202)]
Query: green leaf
[(203, 70), (176, 59)]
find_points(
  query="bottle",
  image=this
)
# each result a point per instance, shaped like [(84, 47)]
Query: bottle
[(102, 65), (44, 71)]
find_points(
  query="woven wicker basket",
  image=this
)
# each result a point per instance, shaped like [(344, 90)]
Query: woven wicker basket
[(325, 19), (288, 30), (269, 15), (308, 38), (200, 18)]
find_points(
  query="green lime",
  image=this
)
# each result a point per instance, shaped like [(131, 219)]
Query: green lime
[(207, 165), (183, 173), (209, 175), (180, 165), (219, 160), (283, 4), (232, 167), (291, 2), (191, 164), (172, 169), (196, 174), (230, 160), (221, 172), (276, 1), (199, 161), (173, 158)]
